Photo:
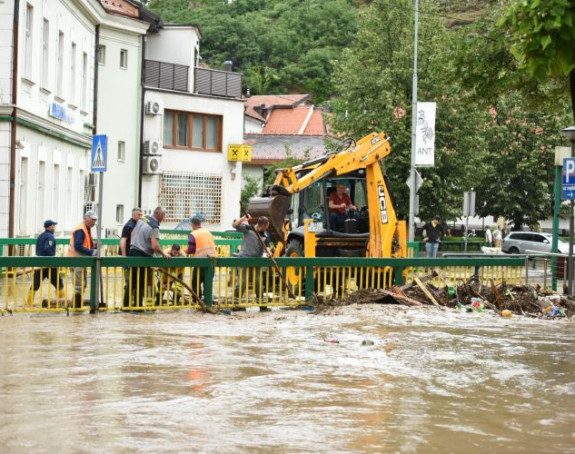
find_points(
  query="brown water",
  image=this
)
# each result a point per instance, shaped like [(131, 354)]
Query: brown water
[(285, 382)]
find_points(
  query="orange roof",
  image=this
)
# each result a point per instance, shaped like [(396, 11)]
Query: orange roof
[(271, 102), (291, 121)]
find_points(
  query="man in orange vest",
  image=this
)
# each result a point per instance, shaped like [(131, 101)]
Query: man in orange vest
[(201, 243), (82, 245)]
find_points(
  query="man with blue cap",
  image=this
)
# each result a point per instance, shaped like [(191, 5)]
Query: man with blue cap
[(46, 247)]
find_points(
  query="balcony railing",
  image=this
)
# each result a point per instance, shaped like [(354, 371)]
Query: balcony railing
[(165, 75), (220, 83), (171, 76)]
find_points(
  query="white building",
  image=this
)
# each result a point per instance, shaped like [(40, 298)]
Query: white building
[(192, 115), (119, 111), (46, 111)]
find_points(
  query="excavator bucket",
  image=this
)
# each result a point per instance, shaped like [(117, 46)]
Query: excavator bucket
[(275, 209)]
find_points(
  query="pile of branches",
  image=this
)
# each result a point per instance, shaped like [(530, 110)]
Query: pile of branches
[(470, 295)]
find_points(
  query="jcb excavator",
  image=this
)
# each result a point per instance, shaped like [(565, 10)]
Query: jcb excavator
[(297, 205)]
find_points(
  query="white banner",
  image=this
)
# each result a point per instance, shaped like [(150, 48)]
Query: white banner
[(425, 135)]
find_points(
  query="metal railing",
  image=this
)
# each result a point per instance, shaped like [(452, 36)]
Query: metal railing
[(170, 76), (138, 284), (220, 83)]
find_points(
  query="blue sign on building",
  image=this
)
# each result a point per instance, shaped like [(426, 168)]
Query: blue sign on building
[(568, 179), (99, 153)]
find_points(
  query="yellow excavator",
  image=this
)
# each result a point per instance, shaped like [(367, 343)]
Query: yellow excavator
[(302, 224)]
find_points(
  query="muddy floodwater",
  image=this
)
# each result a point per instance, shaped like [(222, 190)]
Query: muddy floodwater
[(359, 379)]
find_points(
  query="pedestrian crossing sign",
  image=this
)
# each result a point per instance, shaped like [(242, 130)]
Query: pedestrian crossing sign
[(99, 153)]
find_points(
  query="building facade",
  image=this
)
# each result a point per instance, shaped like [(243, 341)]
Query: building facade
[(47, 50), (192, 115), (121, 40)]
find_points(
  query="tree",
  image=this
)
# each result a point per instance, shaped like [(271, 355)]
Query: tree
[(543, 33), (373, 80)]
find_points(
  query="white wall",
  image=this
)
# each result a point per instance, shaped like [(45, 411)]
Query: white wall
[(119, 115), (253, 126), (50, 176), (39, 72), (215, 163), (256, 172), (49, 75)]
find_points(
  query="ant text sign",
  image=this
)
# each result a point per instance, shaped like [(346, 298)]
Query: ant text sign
[(568, 179), (425, 135)]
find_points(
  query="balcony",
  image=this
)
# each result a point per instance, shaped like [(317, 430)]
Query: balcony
[(219, 83), (170, 76)]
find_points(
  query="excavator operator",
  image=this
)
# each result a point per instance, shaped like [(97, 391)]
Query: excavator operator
[(339, 203)]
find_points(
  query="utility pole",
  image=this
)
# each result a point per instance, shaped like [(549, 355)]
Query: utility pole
[(412, 176)]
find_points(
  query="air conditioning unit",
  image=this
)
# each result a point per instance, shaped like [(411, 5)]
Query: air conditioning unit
[(152, 147), (152, 108), (151, 165)]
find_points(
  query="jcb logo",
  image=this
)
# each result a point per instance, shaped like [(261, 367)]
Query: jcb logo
[(382, 204)]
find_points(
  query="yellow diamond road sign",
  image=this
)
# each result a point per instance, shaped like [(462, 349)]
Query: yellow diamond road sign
[(240, 153)]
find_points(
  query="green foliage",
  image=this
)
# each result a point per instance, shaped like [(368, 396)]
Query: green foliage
[(542, 33), (251, 188), (374, 84)]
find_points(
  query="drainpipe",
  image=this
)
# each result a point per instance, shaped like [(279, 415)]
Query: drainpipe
[(12, 199), (141, 147), (96, 71)]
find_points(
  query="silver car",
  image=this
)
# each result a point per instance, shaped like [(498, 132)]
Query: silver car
[(521, 242)]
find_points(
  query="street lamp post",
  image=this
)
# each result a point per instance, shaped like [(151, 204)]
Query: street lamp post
[(569, 134)]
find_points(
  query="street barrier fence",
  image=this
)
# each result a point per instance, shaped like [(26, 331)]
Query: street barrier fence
[(64, 284)]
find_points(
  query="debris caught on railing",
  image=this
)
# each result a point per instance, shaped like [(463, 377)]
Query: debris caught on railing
[(466, 296)]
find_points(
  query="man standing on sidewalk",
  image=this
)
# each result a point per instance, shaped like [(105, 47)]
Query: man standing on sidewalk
[(145, 241), (201, 243), (46, 247), (432, 233), (82, 245), (252, 246)]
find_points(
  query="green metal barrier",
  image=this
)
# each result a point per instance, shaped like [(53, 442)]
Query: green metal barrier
[(160, 284)]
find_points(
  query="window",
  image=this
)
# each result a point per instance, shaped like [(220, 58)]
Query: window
[(101, 54), (123, 58), (84, 82), (186, 194), (46, 53), (119, 214), (193, 131), (121, 151), (73, 74), (60, 67), (28, 41)]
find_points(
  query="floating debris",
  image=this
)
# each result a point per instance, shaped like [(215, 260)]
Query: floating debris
[(467, 296)]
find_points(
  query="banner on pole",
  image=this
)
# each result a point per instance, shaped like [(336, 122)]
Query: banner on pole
[(425, 135)]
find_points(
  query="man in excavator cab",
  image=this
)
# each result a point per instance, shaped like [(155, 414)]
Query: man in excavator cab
[(340, 206)]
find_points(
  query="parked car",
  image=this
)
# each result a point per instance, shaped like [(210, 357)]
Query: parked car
[(521, 242)]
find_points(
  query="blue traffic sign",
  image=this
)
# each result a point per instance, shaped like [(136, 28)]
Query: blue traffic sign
[(99, 153), (568, 179)]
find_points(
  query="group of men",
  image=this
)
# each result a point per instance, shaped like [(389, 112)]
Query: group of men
[(141, 238)]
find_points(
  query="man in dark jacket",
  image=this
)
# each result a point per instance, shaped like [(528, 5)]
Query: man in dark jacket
[(46, 247), (432, 234)]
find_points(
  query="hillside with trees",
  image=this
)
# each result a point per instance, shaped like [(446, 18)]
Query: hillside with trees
[(497, 123)]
